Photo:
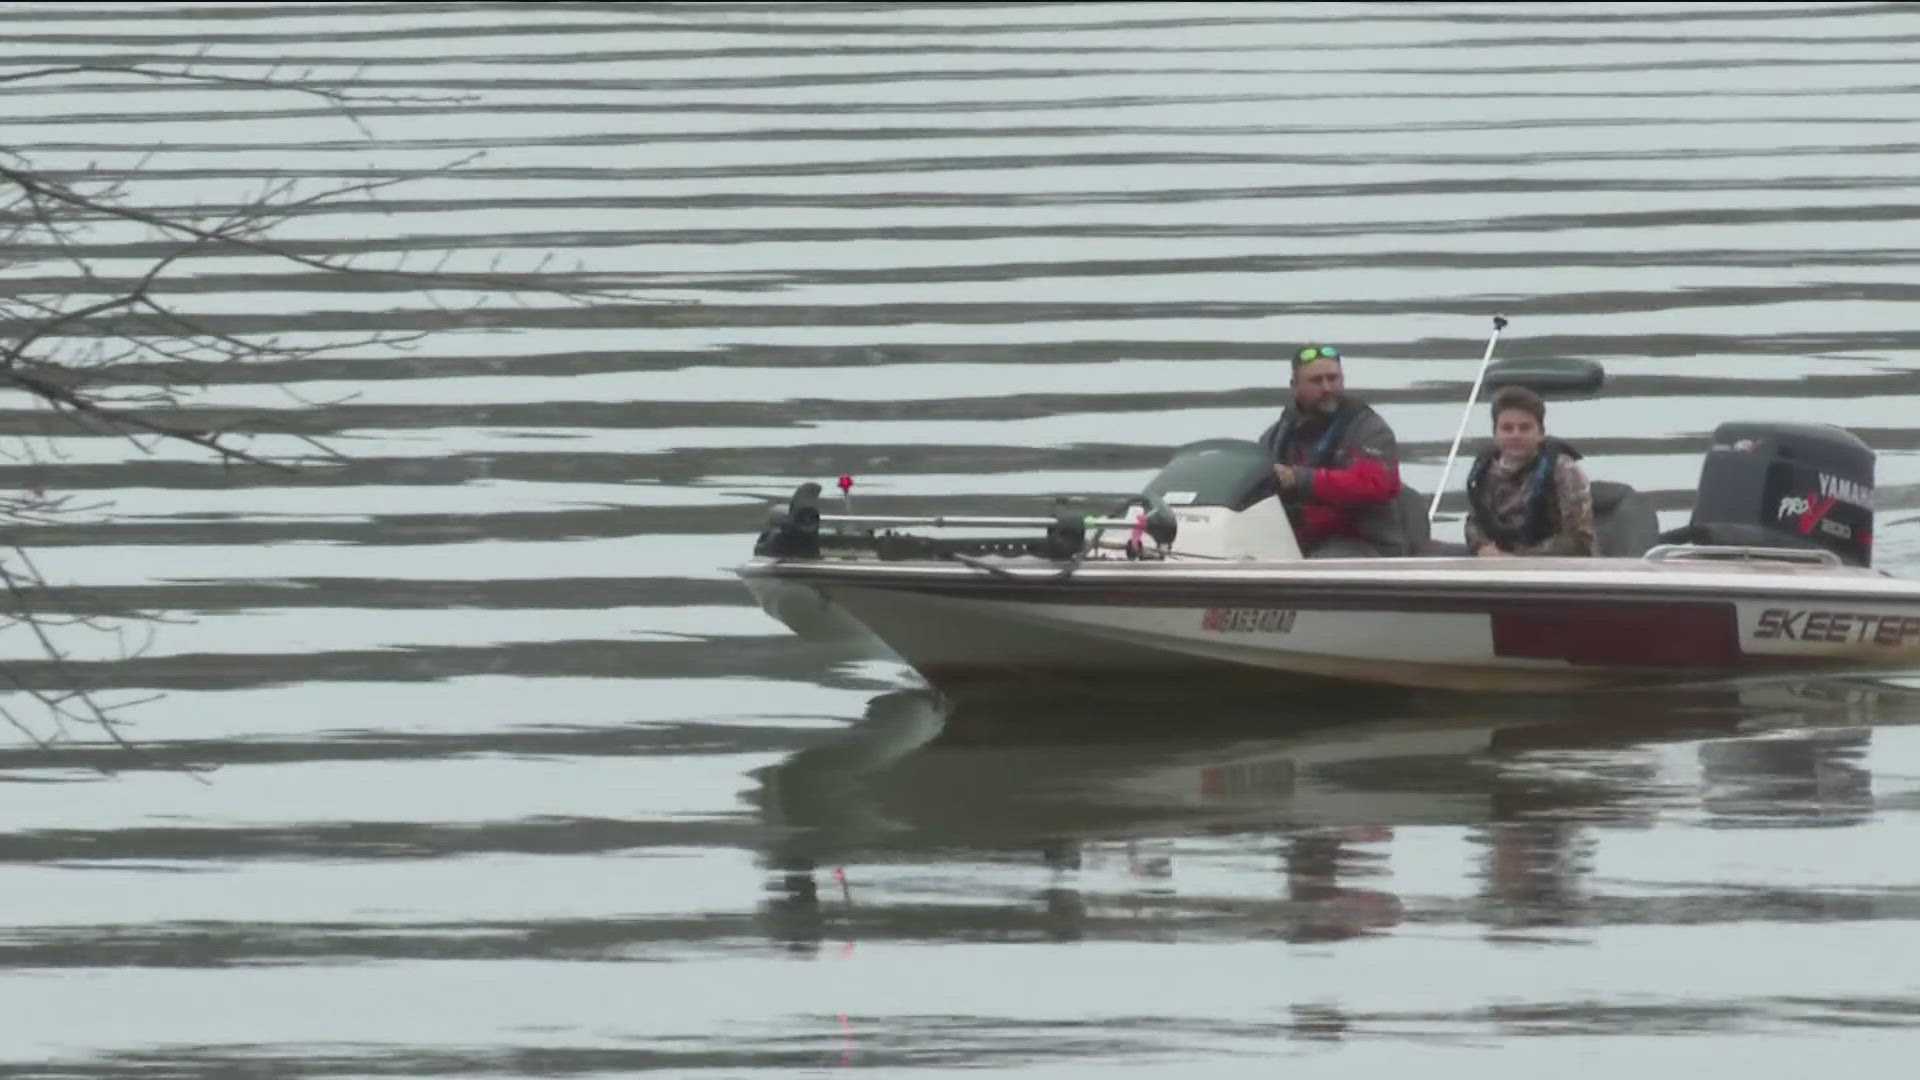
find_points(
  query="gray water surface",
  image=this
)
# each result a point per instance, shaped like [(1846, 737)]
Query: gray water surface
[(509, 777)]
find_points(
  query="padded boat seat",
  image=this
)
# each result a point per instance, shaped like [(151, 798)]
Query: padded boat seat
[(1412, 508), (1624, 524)]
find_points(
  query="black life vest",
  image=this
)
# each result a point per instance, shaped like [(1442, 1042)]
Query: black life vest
[(1542, 501)]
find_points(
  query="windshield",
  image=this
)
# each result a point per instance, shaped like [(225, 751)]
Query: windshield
[(1233, 473)]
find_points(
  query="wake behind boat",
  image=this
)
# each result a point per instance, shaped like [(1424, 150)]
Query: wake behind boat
[(1199, 586)]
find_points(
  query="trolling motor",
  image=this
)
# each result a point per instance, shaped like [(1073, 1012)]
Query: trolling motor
[(793, 531), (1067, 536)]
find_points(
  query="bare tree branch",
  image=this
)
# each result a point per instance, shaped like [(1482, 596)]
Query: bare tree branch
[(114, 353)]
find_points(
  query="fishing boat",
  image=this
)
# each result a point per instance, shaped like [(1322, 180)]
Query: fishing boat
[(1199, 585)]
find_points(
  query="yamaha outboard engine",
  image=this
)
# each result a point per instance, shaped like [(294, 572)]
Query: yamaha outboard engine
[(1785, 485)]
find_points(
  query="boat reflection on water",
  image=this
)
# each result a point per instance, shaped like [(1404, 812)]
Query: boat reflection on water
[(924, 823)]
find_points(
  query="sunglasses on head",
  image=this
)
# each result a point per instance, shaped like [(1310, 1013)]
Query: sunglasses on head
[(1315, 352)]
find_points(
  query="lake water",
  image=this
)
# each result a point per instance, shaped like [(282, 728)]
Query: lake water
[(508, 776)]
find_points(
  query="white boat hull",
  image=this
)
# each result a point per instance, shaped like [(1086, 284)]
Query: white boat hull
[(1409, 623)]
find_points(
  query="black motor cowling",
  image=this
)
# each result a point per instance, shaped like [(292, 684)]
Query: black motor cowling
[(1785, 485), (793, 531)]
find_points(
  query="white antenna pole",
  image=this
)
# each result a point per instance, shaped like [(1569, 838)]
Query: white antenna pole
[(1440, 488)]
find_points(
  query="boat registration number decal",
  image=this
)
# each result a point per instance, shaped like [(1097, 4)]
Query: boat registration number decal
[(1789, 624), (1241, 620)]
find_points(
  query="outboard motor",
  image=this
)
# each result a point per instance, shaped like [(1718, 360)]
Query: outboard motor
[(1785, 485)]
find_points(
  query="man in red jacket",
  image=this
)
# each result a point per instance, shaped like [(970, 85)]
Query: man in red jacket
[(1336, 464)]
